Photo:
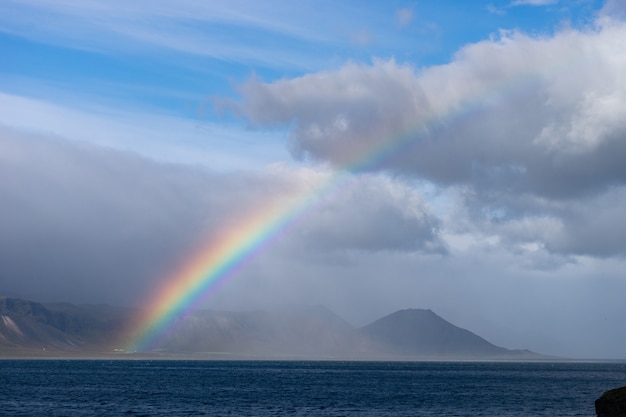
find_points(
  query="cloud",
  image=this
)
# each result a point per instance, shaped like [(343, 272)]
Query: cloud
[(404, 16), (275, 34), (495, 10), (528, 124), (371, 213), (542, 115), (101, 15), (88, 223), (593, 227), (542, 227), (337, 114), (613, 10), (489, 189), (222, 32), (533, 2), (159, 136), (363, 37)]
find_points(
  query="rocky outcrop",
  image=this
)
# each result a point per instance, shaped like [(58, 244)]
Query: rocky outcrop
[(612, 403)]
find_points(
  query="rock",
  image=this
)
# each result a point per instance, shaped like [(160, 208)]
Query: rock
[(612, 403)]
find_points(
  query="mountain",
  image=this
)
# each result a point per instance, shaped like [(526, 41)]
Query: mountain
[(58, 327), (311, 332), (27, 324), (422, 333)]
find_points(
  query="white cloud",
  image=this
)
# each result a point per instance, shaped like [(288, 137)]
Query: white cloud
[(159, 136), (404, 16), (101, 14), (539, 111), (613, 10), (533, 2), (362, 37), (528, 124), (495, 10), (370, 213), (274, 34)]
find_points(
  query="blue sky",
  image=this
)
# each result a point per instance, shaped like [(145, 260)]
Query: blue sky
[(154, 58), (130, 131)]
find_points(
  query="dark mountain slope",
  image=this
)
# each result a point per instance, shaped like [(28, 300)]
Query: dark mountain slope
[(293, 332), (29, 324), (417, 332), (34, 325)]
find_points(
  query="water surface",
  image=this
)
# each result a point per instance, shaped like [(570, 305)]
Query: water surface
[(260, 388)]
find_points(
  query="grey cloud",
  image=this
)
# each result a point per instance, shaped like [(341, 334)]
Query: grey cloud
[(489, 290), (373, 213), (591, 225), (594, 227), (531, 127), (337, 114), (81, 222), (86, 223), (404, 16), (536, 115), (613, 10)]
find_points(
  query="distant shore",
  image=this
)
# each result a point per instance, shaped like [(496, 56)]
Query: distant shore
[(46, 354)]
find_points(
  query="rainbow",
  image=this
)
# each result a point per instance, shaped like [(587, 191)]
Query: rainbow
[(223, 256), (229, 252)]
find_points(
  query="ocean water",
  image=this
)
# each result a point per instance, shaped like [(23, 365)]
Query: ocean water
[(276, 388)]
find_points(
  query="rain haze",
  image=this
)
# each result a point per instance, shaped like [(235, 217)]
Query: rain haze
[(481, 147)]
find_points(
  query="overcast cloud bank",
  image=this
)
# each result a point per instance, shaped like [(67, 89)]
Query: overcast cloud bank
[(104, 224)]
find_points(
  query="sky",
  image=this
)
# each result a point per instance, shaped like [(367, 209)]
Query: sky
[(480, 145)]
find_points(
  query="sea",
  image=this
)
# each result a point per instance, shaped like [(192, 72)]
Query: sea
[(302, 388)]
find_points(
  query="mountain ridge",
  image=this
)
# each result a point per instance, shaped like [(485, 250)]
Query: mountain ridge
[(292, 332), (402, 333)]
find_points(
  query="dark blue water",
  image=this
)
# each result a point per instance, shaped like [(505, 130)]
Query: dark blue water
[(207, 388)]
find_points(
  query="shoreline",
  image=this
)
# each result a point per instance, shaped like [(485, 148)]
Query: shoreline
[(228, 356)]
